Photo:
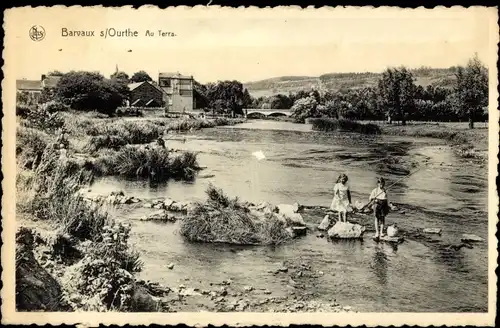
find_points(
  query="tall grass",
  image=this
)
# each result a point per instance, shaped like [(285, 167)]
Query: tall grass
[(156, 163), (225, 220), (30, 145), (119, 133), (52, 194), (186, 124), (331, 125)]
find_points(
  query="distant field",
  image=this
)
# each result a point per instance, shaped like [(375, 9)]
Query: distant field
[(337, 81)]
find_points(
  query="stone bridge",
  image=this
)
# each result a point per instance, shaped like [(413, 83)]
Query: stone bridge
[(255, 112)]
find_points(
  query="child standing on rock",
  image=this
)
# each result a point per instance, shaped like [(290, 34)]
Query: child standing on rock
[(341, 197), (380, 206)]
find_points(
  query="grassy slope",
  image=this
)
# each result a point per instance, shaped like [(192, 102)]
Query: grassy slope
[(334, 81)]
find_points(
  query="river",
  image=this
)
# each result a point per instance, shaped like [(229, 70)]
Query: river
[(301, 165)]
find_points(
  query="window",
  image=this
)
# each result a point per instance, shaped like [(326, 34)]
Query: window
[(165, 83), (185, 92)]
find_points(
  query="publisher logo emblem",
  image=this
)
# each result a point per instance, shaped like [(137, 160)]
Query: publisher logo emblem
[(37, 33)]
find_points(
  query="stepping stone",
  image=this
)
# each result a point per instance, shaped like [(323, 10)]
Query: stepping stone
[(471, 237), (432, 230)]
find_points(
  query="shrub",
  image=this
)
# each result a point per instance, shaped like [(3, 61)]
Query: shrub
[(22, 110), (30, 145), (189, 123), (104, 278), (54, 106), (330, 125), (225, 220), (40, 118), (105, 141), (137, 132), (156, 163), (128, 111)]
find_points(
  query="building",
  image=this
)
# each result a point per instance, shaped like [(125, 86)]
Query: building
[(146, 94), (32, 89), (179, 91)]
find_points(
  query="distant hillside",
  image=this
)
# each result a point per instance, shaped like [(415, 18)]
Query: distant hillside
[(442, 77)]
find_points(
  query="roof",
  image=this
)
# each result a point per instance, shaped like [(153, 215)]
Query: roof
[(133, 86), (51, 81), (176, 75), (28, 85)]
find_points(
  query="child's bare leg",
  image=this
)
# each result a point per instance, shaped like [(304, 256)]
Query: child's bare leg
[(376, 227), (340, 216), (382, 228)]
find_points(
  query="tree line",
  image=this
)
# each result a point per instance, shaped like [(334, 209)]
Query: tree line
[(395, 97)]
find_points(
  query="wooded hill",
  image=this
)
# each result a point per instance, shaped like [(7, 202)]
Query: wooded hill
[(442, 77)]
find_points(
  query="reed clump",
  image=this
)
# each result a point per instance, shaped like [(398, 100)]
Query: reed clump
[(157, 163), (227, 220), (343, 125)]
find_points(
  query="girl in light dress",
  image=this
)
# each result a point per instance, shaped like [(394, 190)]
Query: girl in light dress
[(341, 202)]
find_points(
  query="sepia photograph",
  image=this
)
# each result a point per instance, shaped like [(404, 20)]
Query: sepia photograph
[(279, 165)]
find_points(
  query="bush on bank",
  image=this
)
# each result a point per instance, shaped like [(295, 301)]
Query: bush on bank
[(331, 125)]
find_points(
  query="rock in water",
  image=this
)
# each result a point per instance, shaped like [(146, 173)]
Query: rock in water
[(392, 231), (432, 230), (292, 217), (346, 230), (161, 215), (471, 237), (389, 239), (325, 224)]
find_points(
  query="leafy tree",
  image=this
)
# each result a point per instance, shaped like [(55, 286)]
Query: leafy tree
[(329, 109), (226, 96), (140, 76), (200, 95), (55, 73), (396, 91), (471, 89), (280, 101), (89, 91), (120, 76), (304, 108)]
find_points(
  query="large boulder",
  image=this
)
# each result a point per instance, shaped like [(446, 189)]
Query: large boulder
[(266, 207), (142, 301), (346, 230), (36, 289), (325, 223), (290, 213)]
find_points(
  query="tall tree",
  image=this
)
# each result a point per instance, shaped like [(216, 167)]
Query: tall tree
[(89, 91), (120, 76), (140, 76), (226, 96), (471, 89), (396, 92)]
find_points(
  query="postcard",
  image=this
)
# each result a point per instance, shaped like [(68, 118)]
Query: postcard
[(250, 166)]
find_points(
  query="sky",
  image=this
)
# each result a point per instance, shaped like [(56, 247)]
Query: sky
[(248, 45)]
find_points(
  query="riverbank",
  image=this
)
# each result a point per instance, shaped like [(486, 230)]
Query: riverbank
[(74, 256), (467, 143)]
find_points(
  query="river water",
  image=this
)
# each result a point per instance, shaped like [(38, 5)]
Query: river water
[(301, 165)]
